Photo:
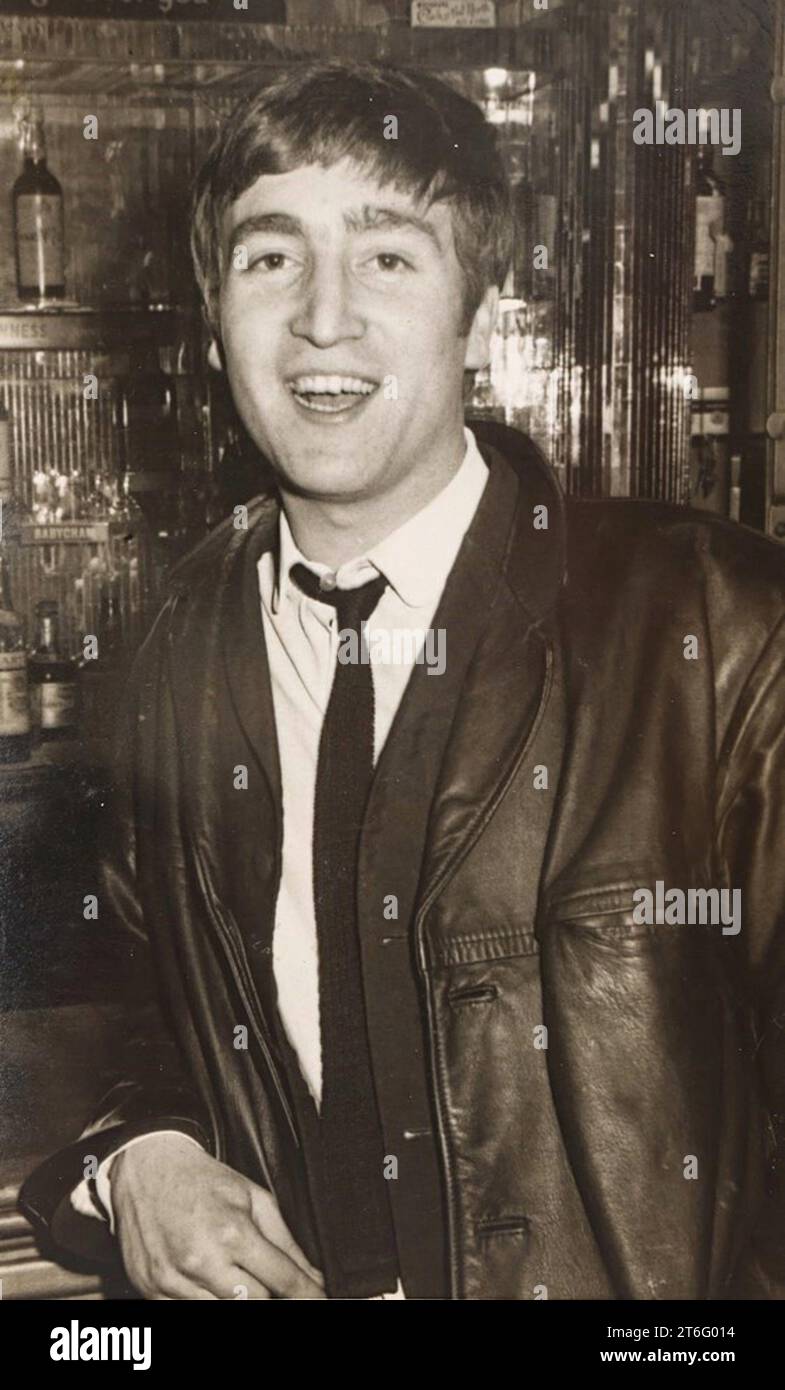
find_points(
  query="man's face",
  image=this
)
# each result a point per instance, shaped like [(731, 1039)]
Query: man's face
[(341, 337)]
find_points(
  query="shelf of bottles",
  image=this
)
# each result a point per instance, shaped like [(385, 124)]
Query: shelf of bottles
[(95, 501), (89, 434), (519, 385), (591, 354), (101, 418)]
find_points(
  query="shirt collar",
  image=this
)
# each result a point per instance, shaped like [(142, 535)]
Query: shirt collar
[(417, 557)]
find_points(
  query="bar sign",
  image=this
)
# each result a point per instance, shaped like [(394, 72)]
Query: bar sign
[(453, 14), (65, 533)]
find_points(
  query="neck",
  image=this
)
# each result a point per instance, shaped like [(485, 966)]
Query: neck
[(332, 531)]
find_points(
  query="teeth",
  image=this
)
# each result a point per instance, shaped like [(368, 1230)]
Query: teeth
[(325, 409), (331, 385)]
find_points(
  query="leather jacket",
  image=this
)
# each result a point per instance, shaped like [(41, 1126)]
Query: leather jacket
[(609, 1095)]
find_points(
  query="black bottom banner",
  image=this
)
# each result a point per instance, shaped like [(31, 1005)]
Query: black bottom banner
[(51, 1340)]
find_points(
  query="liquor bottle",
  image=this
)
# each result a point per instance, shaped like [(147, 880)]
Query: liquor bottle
[(38, 219), (758, 276), (15, 720), (52, 678), (101, 676), (710, 242), (13, 513)]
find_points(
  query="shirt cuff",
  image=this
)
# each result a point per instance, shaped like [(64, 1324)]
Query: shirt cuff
[(93, 1196)]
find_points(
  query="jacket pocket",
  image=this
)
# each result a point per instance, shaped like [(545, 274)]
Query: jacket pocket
[(520, 1229), (642, 1032), (485, 944), (635, 912)]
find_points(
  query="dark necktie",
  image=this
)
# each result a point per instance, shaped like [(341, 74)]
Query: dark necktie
[(358, 1217)]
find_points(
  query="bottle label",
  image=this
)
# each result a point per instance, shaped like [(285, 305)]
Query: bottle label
[(722, 264), (39, 239), (6, 472), (709, 218), (58, 704), (14, 702), (759, 274)]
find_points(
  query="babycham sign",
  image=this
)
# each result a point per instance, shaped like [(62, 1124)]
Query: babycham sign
[(453, 14)]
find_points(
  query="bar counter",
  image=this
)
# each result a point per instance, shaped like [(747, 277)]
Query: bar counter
[(58, 1028)]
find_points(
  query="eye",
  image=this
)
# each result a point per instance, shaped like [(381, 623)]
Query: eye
[(270, 260), (390, 261)]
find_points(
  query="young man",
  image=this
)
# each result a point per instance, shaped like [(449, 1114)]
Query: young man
[(415, 1035)]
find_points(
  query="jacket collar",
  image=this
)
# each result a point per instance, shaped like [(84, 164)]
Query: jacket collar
[(535, 563), (417, 556), (219, 583), (536, 566)]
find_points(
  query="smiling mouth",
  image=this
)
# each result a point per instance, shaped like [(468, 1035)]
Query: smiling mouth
[(331, 395)]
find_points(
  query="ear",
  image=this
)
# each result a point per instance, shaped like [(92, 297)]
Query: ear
[(214, 355), (478, 342)]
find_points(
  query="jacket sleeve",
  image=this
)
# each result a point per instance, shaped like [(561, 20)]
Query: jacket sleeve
[(751, 842), (151, 1088)]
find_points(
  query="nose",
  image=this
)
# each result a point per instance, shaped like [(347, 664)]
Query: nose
[(327, 313)]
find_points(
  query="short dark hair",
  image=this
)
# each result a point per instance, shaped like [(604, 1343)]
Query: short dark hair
[(322, 112)]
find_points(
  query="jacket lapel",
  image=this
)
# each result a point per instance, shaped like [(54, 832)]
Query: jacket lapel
[(512, 689), (244, 650), (222, 693), (397, 816), (218, 645)]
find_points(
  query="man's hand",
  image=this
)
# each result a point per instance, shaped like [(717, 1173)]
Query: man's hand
[(189, 1227)]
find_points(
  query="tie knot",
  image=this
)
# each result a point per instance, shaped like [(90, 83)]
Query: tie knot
[(353, 606)]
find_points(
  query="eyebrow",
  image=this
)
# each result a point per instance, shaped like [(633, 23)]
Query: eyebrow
[(368, 218), (280, 222)]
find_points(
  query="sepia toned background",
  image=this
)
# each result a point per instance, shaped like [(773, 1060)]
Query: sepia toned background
[(629, 386)]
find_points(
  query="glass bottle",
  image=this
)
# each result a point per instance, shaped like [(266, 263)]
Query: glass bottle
[(13, 512), (758, 276), (15, 718), (709, 280), (39, 230), (52, 678)]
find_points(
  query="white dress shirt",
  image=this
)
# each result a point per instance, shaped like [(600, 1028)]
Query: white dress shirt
[(301, 634), (302, 640)]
